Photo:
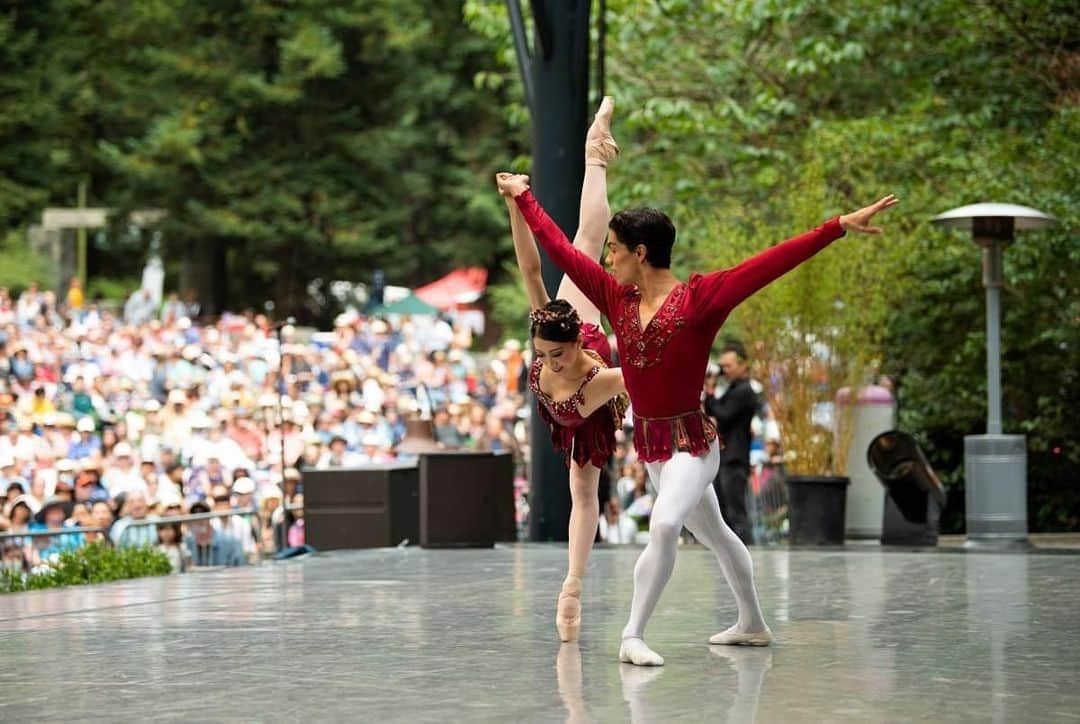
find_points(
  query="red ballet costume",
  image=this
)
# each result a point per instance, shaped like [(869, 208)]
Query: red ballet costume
[(664, 364), (583, 439)]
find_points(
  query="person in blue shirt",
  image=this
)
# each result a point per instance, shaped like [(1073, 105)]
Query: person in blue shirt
[(209, 547), (88, 443), (51, 517)]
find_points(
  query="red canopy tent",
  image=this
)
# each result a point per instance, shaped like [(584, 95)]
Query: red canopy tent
[(460, 286)]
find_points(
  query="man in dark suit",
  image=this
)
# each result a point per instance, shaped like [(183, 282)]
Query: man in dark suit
[(733, 412)]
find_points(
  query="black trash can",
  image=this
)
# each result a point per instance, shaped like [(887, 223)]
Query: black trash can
[(914, 495), (816, 508)]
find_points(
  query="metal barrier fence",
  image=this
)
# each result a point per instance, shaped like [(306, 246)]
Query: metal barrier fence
[(255, 552), (767, 504)]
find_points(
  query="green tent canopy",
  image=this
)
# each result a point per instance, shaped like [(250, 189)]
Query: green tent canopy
[(411, 304)]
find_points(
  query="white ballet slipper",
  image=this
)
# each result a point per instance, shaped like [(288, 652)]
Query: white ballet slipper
[(635, 651), (731, 637)]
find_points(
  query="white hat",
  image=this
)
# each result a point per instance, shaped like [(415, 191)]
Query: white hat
[(168, 498), (200, 421), (177, 397), (272, 493), (152, 405), (85, 424), (243, 486), (121, 450), (65, 465), (28, 500)]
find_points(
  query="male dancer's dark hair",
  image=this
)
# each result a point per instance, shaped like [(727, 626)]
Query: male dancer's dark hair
[(651, 228)]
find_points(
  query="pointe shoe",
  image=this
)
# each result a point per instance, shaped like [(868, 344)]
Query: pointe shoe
[(635, 651), (568, 614), (600, 146), (737, 638)]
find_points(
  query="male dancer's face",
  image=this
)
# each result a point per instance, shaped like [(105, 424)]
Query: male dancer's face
[(559, 357), (622, 262)]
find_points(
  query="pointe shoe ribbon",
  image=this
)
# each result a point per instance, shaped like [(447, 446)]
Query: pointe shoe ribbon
[(600, 146), (568, 615), (735, 638), (598, 153)]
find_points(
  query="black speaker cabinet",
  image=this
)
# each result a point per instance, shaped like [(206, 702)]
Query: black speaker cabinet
[(372, 506), (466, 499)]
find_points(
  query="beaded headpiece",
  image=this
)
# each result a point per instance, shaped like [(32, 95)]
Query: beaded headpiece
[(546, 316)]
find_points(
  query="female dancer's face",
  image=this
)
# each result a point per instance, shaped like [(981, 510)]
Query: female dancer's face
[(559, 357)]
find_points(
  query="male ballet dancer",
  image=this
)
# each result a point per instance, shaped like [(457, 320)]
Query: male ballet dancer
[(665, 328)]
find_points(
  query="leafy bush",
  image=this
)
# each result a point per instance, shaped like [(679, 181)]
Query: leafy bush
[(97, 562), (21, 263)]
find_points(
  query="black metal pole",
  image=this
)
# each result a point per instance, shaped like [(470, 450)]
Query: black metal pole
[(555, 74)]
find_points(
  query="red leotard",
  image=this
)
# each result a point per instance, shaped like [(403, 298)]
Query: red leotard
[(664, 363), (585, 439)]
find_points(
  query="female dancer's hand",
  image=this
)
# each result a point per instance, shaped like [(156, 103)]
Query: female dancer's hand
[(512, 184), (860, 220)]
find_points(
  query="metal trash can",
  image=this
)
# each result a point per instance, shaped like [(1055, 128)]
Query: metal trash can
[(914, 495), (995, 490)]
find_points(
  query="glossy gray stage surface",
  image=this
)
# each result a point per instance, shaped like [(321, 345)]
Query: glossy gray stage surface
[(468, 635)]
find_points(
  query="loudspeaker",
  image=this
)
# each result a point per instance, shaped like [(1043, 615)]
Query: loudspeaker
[(373, 506), (466, 499)]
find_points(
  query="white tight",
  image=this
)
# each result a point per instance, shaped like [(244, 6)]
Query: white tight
[(685, 496)]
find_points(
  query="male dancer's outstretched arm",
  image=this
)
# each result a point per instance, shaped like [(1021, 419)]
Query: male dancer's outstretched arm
[(723, 290), (599, 286)]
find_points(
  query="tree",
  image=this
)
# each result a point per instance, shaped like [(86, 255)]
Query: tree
[(291, 142)]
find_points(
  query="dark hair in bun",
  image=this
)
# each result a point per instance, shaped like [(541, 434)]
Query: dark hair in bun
[(557, 321)]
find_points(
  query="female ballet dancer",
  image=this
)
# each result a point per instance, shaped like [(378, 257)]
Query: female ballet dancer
[(581, 397), (665, 328)]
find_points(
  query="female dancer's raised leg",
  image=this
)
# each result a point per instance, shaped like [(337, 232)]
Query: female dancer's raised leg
[(593, 219), (595, 212)]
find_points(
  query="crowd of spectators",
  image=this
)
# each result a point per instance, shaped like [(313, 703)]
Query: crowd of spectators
[(112, 419)]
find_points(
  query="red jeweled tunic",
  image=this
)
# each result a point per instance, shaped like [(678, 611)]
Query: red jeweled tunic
[(585, 439), (664, 363)]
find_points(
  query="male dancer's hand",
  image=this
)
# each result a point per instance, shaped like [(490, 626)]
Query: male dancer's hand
[(512, 184), (860, 220)]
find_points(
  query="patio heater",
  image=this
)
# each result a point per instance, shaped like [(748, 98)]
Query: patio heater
[(995, 465)]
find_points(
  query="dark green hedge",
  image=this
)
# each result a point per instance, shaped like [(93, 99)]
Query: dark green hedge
[(96, 562)]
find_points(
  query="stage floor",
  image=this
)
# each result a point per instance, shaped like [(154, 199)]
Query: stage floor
[(468, 635)]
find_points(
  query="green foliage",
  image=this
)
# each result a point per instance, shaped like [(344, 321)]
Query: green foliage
[(750, 121), (289, 141), (116, 290), (96, 562), (21, 263), (510, 305)]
